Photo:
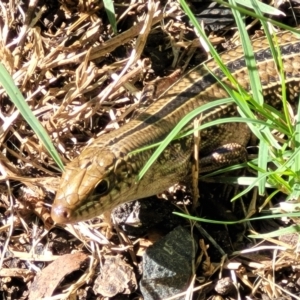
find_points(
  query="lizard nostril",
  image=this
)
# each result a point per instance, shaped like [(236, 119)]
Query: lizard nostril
[(60, 214)]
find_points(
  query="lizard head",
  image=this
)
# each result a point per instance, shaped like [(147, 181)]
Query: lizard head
[(90, 185)]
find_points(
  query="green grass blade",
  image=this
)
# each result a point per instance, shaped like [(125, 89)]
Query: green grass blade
[(255, 84), (276, 233), (271, 216), (261, 18), (202, 34), (264, 8), (256, 89), (296, 137), (110, 11), (18, 99)]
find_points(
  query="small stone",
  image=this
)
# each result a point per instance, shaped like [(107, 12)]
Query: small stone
[(167, 265)]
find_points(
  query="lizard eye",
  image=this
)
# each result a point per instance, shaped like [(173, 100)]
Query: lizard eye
[(102, 187)]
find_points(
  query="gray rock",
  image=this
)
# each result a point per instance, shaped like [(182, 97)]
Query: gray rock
[(167, 265)]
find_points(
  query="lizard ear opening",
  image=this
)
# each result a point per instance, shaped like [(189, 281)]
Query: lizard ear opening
[(121, 169), (102, 187)]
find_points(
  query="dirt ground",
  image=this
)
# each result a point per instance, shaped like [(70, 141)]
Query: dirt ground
[(66, 60)]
